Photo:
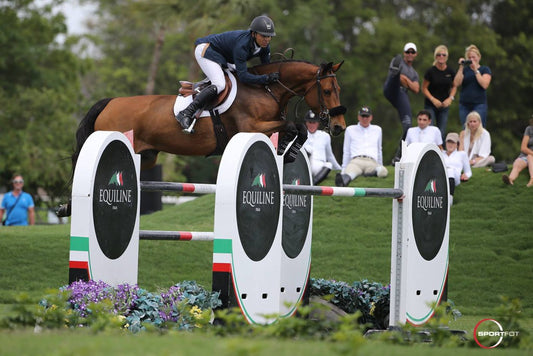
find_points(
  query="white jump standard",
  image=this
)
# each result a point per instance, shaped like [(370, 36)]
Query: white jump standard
[(262, 225)]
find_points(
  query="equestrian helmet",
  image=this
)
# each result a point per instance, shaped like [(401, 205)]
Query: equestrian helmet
[(263, 25), (310, 116)]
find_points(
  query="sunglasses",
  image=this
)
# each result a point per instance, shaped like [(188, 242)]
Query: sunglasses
[(441, 54), (18, 181), (410, 52)]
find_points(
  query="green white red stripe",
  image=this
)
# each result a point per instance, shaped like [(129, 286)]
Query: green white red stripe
[(222, 255), (79, 254)]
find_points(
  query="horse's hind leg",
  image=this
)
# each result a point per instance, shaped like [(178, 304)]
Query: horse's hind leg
[(148, 158)]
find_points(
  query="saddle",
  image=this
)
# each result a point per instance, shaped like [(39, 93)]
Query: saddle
[(192, 88)]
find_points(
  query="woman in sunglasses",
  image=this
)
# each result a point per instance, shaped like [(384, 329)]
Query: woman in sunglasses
[(17, 205), (438, 88)]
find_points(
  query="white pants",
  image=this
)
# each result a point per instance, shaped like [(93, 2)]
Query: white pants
[(211, 69), (365, 166), (317, 165)]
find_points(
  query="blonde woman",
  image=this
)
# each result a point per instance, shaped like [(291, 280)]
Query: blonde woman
[(475, 80), (525, 159), (438, 88), (475, 141)]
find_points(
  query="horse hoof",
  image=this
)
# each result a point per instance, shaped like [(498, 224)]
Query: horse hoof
[(63, 211), (188, 131)]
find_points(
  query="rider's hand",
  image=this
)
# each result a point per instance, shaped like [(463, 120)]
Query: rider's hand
[(272, 77)]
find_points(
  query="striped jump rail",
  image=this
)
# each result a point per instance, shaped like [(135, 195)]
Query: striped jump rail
[(176, 235), (288, 188)]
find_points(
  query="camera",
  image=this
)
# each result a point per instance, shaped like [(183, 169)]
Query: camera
[(466, 62)]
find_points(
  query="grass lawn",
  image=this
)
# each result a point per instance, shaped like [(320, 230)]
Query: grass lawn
[(491, 255)]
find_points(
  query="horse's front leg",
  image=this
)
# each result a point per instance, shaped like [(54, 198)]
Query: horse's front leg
[(293, 130)]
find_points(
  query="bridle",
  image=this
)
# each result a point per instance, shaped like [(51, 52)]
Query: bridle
[(324, 113)]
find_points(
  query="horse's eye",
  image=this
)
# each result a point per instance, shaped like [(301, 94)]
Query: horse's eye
[(327, 92)]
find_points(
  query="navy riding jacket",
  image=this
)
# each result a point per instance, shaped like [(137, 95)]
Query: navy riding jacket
[(236, 47)]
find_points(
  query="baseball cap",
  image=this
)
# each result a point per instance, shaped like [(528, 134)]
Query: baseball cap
[(365, 111), (311, 116), (409, 45), (452, 136)]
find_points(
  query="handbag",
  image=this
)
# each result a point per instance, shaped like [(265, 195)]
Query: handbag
[(10, 210), (499, 167)]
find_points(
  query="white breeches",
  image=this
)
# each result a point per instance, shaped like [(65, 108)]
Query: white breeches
[(211, 69)]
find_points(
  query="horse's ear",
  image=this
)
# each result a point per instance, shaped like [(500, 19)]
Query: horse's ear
[(325, 67), (337, 66)]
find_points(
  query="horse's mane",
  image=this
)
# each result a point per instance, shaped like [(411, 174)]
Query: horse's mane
[(265, 68), (282, 62)]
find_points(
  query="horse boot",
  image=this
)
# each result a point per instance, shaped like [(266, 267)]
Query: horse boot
[(202, 99), (321, 175)]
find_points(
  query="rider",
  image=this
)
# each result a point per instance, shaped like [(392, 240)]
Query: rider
[(230, 49)]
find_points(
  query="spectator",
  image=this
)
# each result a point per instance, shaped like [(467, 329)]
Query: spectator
[(401, 78), (362, 151), (438, 88), (524, 159), (475, 141), (17, 205), (475, 80), (456, 163), (318, 147), (424, 132)]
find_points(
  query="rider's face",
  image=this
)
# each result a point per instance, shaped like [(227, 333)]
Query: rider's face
[(262, 41)]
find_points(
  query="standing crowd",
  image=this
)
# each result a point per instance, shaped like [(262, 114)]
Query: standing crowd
[(470, 148)]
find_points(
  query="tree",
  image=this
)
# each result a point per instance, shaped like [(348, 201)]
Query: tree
[(38, 97)]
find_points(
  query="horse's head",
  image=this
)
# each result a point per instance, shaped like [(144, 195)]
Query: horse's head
[(325, 101)]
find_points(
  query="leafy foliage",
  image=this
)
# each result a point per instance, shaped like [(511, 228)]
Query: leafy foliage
[(371, 299)]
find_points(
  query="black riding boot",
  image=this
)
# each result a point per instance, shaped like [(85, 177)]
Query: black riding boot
[(342, 180), (202, 99), (321, 175)]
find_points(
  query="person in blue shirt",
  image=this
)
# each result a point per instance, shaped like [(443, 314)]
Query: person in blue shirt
[(17, 205), (475, 80), (230, 49)]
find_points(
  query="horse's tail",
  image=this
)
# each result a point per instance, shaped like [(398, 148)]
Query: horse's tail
[(86, 128)]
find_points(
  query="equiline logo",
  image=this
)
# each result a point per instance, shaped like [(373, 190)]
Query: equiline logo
[(431, 186), (431, 199), (112, 195), (259, 181), (430, 204), (256, 198), (116, 179), (291, 201)]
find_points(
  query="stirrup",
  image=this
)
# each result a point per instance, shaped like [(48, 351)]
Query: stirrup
[(189, 130)]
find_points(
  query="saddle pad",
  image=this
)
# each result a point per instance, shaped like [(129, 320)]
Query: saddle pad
[(183, 101)]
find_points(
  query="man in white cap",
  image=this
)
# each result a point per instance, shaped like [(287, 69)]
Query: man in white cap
[(362, 151), (402, 77)]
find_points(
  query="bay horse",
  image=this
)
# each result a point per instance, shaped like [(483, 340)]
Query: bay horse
[(255, 109)]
